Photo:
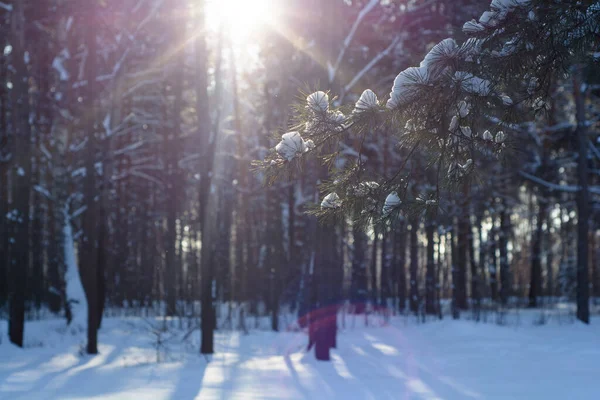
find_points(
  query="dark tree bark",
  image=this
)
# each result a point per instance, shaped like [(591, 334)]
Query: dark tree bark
[(358, 286), (430, 281), (483, 284), (172, 141), (475, 278), (5, 152), (414, 266), (503, 235), (88, 265), (493, 260), (454, 270), (373, 267), (462, 250), (400, 262), (385, 279), (535, 284), (583, 205), (21, 180)]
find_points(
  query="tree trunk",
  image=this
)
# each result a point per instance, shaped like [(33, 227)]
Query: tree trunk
[(373, 267), (414, 266), (493, 261), (358, 286), (399, 263), (505, 289), (430, 281), (535, 284), (483, 284), (89, 262), (462, 251), (583, 206), (454, 270), (475, 278), (21, 180)]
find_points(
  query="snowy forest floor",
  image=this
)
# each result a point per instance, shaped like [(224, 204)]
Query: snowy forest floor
[(401, 360)]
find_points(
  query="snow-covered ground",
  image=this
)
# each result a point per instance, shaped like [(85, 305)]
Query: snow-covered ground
[(403, 360)]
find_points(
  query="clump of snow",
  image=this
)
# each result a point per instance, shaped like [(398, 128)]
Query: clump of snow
[(466, 131), (332, 200), (292, 145), (472, 27), (391, 202), (363, 188), (453, 124), (463, 108), (453, 170), (367, 102), (499, 10), (500, 137), (473, 84), (309, 145), (59, 64), (405, 84), (490, 18), (506, 100), (437, 59), (392, 103), (318, 102), (337, 117), (468, 165), (487, 135)]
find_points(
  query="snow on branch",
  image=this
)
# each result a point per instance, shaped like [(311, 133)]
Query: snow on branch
[(371, 64), (43, 191), (594, 149), (404, 85), (318, 102), (391, 202), (143, 175), (332, 70), (292, 145), (367, 102), (332, 200), (77, 212), (126, 149), (556, 186), (7, 7)]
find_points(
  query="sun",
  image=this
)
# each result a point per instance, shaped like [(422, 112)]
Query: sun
[(240, 18)]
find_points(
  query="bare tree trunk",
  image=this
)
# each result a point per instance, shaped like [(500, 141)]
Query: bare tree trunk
[(5, 152), (414, 266), (493, 261), (373, 267), (89, 262), (358, 286), (454, 270), (475, 285), (209, 204), (505, 289), (583, 206), (399, 262), (483, 284), (535, 284), (462, 251), (430, 307), (20, 250)]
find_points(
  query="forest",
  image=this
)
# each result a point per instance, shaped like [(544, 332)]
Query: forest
[(297, 176)]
